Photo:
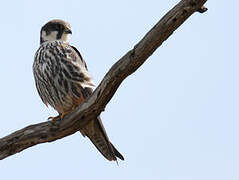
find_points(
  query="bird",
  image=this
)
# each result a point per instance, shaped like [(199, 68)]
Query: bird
[(63, 81)]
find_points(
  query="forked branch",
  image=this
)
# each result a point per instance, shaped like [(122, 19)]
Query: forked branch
[(94, 105)]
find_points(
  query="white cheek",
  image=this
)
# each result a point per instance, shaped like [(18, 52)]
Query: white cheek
[(50, 37), (65, 37)]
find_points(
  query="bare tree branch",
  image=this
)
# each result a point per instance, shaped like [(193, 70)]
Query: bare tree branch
[(94, 105)]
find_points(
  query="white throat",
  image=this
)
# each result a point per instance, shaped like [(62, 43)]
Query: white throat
[(65, 37)]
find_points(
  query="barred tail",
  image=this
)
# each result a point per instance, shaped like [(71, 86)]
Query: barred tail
[(96, 133)]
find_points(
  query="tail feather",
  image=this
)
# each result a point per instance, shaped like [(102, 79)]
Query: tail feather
[(95, 131), (116, 152)]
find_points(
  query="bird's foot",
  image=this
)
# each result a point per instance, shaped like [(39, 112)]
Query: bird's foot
[(53, 118), (62, 115)]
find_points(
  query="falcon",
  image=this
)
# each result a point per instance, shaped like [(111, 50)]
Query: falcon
[(63, 81)]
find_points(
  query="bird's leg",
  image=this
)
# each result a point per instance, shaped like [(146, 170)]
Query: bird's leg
[(62, 115)]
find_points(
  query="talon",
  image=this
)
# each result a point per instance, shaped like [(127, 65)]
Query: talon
[(53, 118), (62, 115)]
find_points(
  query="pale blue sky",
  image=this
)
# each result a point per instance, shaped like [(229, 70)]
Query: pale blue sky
[(176, 118)]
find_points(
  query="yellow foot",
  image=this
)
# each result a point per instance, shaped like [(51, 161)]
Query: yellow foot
[(62, 115), (53, 118)]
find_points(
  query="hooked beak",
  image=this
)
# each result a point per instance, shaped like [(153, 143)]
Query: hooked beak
[(68, 31)]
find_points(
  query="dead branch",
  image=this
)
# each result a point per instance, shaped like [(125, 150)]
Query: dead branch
[(93, 106)]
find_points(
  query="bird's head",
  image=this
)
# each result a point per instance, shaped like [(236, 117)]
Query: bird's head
[(55, 30)]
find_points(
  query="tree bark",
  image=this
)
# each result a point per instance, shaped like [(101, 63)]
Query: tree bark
[(52, 130)]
